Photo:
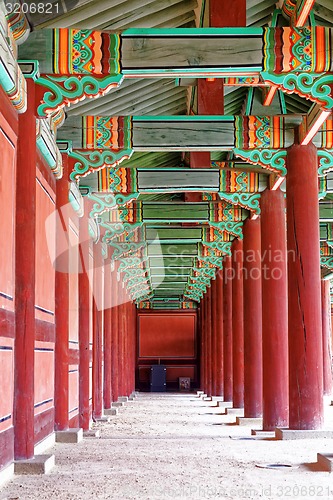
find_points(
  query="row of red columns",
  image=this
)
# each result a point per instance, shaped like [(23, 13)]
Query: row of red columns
[(106, 315), (274, 342), (114, 337), (107, 312)]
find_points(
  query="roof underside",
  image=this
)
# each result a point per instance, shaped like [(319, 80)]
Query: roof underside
[(172, 241)]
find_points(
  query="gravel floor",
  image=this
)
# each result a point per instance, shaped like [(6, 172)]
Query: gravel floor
[(169, 446)]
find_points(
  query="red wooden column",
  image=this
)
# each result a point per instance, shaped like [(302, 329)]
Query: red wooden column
[(130, 366), (213, 339), (207, 316), (201, 340), (304, 297), (85, 318), (120, 339), (327, 336), (125, 353), (227, 329), (107, 388), (209, 341), (252, 319), (97, 388), (25, 235), (237, 324), (133, 350), (61, 420), (114, 336), (222, 14), (274, 310), (219, 333), (202, 343)]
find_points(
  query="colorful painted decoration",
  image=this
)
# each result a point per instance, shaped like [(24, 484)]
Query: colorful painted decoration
[(88, 161), (118, 179), (259, 132), (327, 133), (222, 246), (325, 161), (245, 200), (214, 261), (297, 50), (272, 159), (236, 181), (235, 228), (18, 24), (47, 146), (327, 261), (125, 249), (308, 85), (109, 201), (63, 91), (85, 52), (115, 229), (104, 132), (11, 77)]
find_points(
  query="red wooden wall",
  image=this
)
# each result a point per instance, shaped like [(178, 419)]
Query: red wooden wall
[(169, 338), (44, 306)]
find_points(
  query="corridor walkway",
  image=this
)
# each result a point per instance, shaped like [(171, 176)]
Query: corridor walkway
[(163, 446)]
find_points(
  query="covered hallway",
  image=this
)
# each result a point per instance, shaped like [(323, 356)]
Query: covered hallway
[(178, 446)]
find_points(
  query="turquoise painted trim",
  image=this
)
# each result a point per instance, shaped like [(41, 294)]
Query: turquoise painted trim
[(177, 190), (184, 118), (312, 19), (46, 153), (283, 102), (74, 202), (5, 80), (176, 241), (175, 221), (177, 82), (174, 32), (202, 13), (249, 101), (35, 68), (176, 169), (66, 147), (185, 72), (275, 17)]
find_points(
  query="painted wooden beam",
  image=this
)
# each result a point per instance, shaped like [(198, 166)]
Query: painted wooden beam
[(209, 52)]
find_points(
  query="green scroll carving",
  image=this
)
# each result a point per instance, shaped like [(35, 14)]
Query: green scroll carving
[(271, 159), (245, 200)]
